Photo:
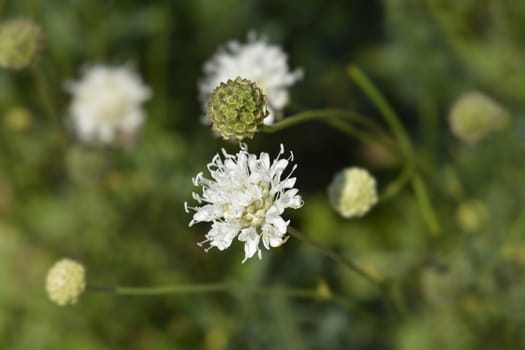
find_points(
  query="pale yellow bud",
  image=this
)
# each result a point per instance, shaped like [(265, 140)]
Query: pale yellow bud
[(474, 116), (65, 282), (353, 192), (471, 215), (21, 41), (18, 119)]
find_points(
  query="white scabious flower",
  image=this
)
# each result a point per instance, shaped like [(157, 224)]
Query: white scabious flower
[(353, 192), (65, 282), (245, 198), (474, 116), (107, 103), (258, 61)]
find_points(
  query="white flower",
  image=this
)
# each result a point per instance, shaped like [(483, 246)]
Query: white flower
[(65, 282), (245, 198), (107, 103), (353, 192), (258, 61), (474, 116)]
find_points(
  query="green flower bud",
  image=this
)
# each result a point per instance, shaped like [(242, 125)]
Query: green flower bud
[(353, 192), (65, 282), (18, 119), (323, 291), (474, 116), (20, 43), (471, 215), (237, 109)]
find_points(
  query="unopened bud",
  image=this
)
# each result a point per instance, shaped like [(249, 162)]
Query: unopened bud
[(21, 41), (353, 192), (474, 116), (237, 109)]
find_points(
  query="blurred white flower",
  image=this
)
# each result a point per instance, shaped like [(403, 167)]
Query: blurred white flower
[(258, 61), (474, 116), (245, 198), (353, 192), (107, 103), (65, 282)]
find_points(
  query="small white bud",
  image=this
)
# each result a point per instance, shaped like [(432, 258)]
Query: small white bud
[(65, 282), (352, 192)]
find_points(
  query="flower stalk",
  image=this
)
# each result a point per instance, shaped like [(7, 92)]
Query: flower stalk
[(333, 255), (407, 150), (48, 104), (210, 288), (394, 303)]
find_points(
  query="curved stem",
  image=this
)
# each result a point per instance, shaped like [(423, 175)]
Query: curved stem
[(384, 107), (329, 113), (397, 184), (361, 135), (399, 132), (341, 259), (384, 288)]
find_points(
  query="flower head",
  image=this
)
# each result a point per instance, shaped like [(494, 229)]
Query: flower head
[(107, 103), (475, 115), (353, 192), (471, 215), (237, 108), (245, 198), (65, 282), (21, 40), (258, 61)]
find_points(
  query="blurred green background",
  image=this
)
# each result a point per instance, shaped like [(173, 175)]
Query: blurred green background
[(120, 212)]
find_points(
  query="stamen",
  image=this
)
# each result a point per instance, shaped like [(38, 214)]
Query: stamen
[(200, 244), (195, 179), (291, 171)]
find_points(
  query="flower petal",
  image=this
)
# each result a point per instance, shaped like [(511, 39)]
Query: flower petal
[(251, 242)]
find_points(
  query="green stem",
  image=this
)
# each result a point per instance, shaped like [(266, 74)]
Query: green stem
[(392, 303), (47, 102), (400, 134), (208, 288), (424, 204), (384, 108), (361, 135), (333, 255), (233, 288), (329, 113), (396, 185), (198, 288)]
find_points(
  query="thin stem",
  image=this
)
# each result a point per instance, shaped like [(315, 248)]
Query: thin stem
[(339, 258), (384, 107), (392, 303), (424, 204), (361, 135), (199, 288), (207, 288), (47, 102), (399, 132), (329, 113), (397, 184), (314, 294)]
